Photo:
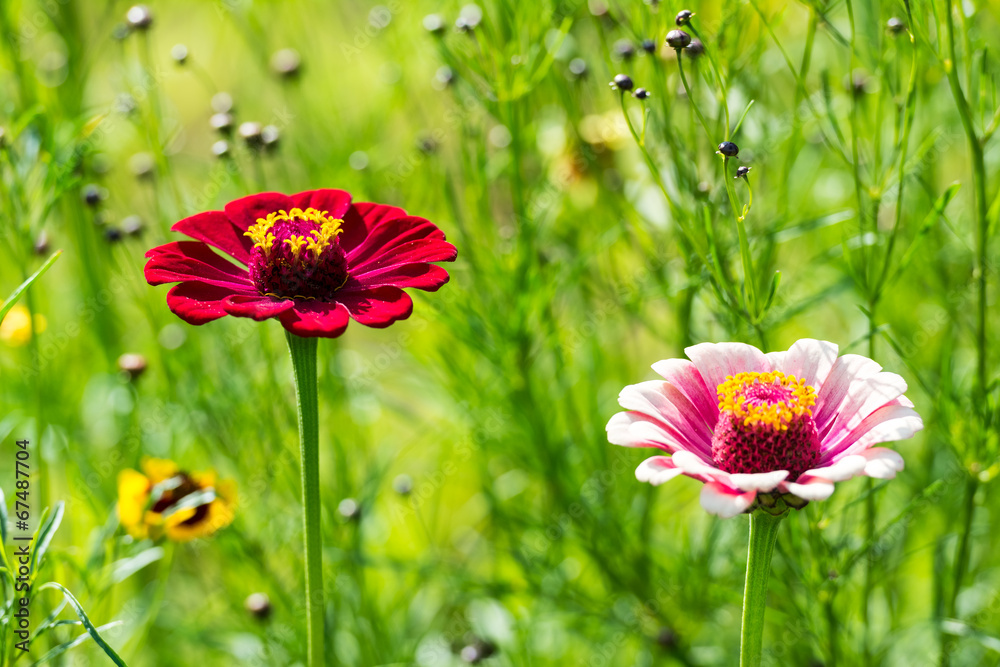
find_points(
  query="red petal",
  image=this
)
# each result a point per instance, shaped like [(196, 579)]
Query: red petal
[(409, 252), (387, 231), (197, 303), (421, 275), (244, 212), (378, 307), (311, 319), (361, 219), (215, 229), (258, 308), (182, 261), (334, 202)]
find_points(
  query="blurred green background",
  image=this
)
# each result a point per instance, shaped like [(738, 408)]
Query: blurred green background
[(489, 520)]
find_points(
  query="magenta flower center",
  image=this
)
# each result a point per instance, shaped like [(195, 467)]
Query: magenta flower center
[(297, 254), (765, 424)]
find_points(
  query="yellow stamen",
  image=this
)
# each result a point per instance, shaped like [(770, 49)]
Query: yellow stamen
[(296, 242), (321, 238), (776, 415)]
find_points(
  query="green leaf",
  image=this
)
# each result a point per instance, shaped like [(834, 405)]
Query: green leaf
[(126, 567), (62, 648), (16, 294), (91, 630), (931, 218), (43, 537), (3, 525), (742, 118)]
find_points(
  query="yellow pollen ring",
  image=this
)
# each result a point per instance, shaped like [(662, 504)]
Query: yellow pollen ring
[(317, 242), (777, 415)]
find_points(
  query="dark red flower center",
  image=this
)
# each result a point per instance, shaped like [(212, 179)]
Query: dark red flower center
[(765, 424), (297, 254)]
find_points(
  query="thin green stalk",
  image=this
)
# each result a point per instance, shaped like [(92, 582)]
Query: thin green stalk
[(691, 100), (763, 535), (749, 277), (303, 353)]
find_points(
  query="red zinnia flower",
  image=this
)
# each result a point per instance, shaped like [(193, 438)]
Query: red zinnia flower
[(313, 259)]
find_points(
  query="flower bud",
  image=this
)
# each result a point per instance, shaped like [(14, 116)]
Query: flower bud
[(132, 225), (132, 365), (251, 132), (258, 605), (741, 172), (434, 24), (286, 63), (220, 148), (895, 26), (349, 509), (729, 149), (695, 48), (678, 39), (649, 46), (179, 53), (222, 103), (622, 82), (139, 17), (624, 50), (683, 17), (640, 94)]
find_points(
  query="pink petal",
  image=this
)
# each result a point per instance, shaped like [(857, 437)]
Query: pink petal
[(808, 488), (197, 303), (215, 229), (258, 307), (657, 470), (664, 402), (882, 463), (183, 261), (809, 360), (698, 467), (377, 307), (888, 423), (312, 319), (333, 202), (716, 361), (634, 429), (684, 376), (244, 212), (841, 471), (848, 369), (863, 398), (722, 501), (761, 481)]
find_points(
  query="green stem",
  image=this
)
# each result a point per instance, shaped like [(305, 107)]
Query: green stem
[(303, 352), (763, 535)]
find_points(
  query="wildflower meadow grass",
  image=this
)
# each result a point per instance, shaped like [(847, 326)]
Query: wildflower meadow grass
[(622, 184)]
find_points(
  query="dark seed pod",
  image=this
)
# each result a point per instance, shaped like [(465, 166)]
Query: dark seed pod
[(578, 67), (622, 82), (222, 122), (252, 133), (695, 48), (270, 136), (139, 17), (258, 605), (649, 46), (434, 24), (667, 638), (112, 234), (741, 172), (729, 149), (41, 243), (222, 103), (678, 39), (92, 195), (349, 509), (640, 94), (220, 148), (477, 650), (132, 225), (286, 63), (403, 484), (624, 50), (683, 17), (895, 25), (132, 365), (179, 53)]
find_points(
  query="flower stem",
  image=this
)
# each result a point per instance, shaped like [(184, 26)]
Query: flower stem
[(763, 535), (303, 352)]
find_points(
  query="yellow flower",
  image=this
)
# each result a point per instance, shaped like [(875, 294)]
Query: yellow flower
[(15, 330), (164, 500)]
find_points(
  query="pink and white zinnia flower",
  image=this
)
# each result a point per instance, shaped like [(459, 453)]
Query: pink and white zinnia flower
[(765, 429)]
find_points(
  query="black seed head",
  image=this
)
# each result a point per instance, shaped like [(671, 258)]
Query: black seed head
[(258, 605), (895, 25), (112, 234), (179, 53), (624, 49), (477, 650), (222, 122), (92, 195), (729, 149), (640, 94), (683, 17), (678, 39), (742, 172), (434, 24), (139, 17), (42, 243), (622, 82), (132, 365), (695, 48), (649, 46), (349, 509), (286, 63), (667, 638), (270, 137), (220, 148), (252, 133), (578, 67), (132, 225)]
